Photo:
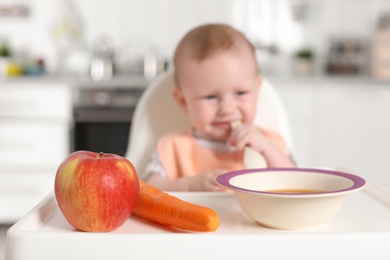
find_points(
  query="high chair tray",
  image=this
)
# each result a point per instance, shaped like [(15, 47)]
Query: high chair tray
[(361, 230)]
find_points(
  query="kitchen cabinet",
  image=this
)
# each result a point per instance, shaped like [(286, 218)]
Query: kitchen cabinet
[(383, 130), (299, 101), (340, 123), (349, 128), (35, 122)]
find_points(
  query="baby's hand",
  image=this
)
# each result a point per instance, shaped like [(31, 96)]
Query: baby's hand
[(206, 181), (247, 135)]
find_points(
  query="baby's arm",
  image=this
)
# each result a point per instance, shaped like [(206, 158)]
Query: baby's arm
[(155, 174), (250, 135), (202, 182)]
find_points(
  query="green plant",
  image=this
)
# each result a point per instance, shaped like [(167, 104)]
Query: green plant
[(304, 54), (4, 51)]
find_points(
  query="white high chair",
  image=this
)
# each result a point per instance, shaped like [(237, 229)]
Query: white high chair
[(157, 113)]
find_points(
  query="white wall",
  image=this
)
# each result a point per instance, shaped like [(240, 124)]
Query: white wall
[(137, 26)]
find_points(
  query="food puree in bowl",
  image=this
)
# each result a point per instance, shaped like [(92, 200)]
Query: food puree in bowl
[(294, 191)]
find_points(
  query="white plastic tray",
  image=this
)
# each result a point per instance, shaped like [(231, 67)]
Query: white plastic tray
[(361, 230)]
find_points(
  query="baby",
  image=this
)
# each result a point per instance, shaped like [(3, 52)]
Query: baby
[(217, 83)]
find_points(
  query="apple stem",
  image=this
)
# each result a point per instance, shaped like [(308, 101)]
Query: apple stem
[(100, 154)]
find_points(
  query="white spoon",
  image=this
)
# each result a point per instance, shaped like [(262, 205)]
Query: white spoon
[(252, 159)]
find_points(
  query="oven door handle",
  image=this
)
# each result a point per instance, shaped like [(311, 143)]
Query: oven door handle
[(103, 115)]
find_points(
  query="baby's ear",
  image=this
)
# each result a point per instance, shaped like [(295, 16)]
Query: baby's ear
[(178, 96), (259, 81)]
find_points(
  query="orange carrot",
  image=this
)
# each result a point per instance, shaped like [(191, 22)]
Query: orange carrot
[(160, 207)]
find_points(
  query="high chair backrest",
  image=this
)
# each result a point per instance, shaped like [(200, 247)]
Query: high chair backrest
[(157, 113)]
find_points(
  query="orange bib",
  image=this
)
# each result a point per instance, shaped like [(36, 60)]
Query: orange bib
[(182, 155)]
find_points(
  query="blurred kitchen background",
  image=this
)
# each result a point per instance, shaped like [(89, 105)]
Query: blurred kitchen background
[(63, 35), (71, 73)]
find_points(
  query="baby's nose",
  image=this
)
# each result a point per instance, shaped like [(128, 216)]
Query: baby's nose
[(226, 106)]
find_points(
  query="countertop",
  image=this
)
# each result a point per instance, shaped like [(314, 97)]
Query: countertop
[(138, 80), (121, 80)]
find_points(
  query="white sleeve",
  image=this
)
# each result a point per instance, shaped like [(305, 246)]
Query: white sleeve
[(154, 166)]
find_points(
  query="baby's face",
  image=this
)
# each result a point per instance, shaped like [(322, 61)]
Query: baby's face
[(218, 91)]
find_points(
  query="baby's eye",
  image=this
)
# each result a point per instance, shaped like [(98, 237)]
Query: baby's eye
[(210, 97), (241, 93)]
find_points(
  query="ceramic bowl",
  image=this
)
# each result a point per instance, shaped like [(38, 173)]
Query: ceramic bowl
[(291, 198)]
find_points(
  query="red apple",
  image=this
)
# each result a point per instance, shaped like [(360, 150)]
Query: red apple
[(95, 191)]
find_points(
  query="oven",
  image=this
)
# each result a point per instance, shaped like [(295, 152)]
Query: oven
[(102, 118)]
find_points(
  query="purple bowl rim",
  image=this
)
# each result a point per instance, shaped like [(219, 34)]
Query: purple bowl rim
[(358, 182)]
